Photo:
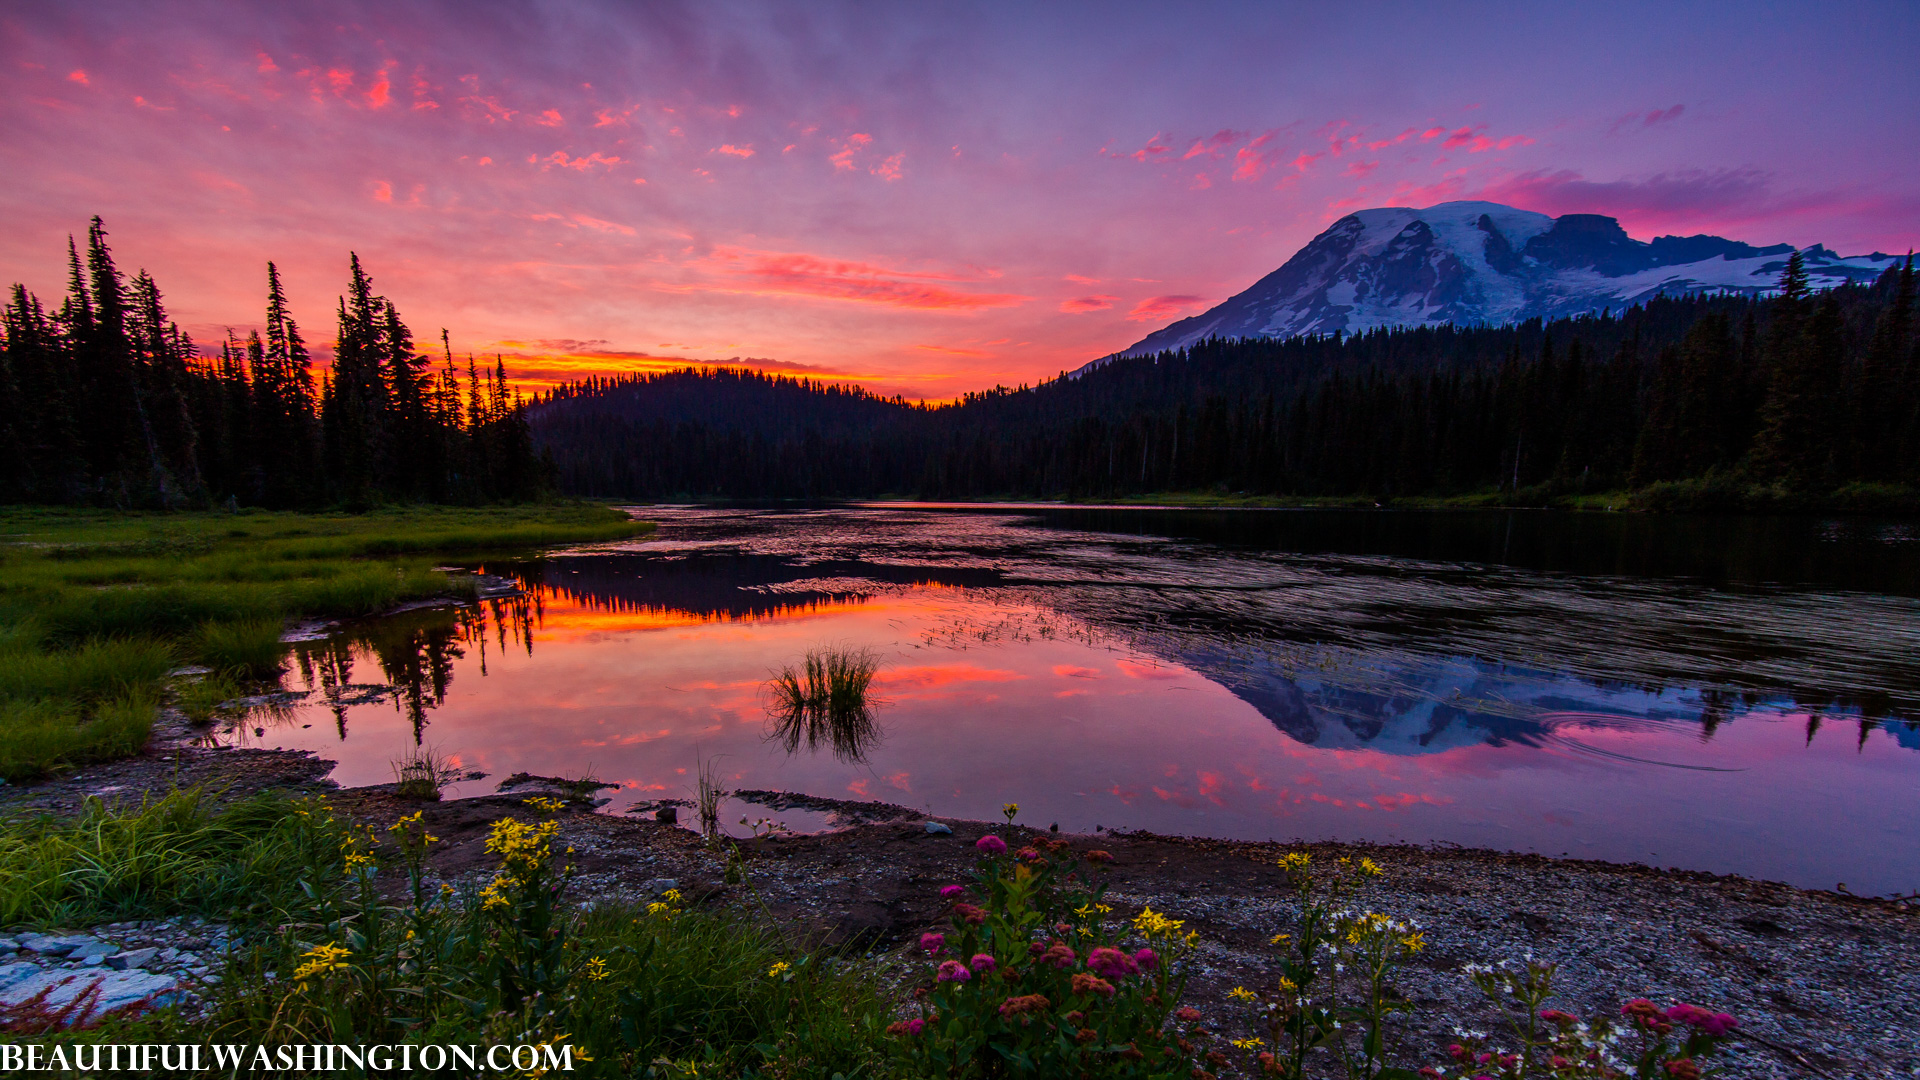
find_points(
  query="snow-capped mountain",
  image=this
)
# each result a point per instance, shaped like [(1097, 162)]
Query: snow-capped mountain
[(1481, 262)]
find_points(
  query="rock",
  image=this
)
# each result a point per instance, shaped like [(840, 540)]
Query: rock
[(62, 944), (660, 885), (13, 973), (168, 954), (668, 814), (133, 958), (118, 989), (93, 959), (934, 828)]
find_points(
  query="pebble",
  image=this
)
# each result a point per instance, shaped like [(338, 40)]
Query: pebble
[(934, 828)]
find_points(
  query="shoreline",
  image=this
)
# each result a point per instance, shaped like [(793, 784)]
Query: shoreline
[(1813, 974)]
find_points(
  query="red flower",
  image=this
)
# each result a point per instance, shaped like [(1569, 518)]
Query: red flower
[(1084, 983)]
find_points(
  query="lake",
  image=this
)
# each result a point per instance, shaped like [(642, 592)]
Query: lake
[(1728, 695)]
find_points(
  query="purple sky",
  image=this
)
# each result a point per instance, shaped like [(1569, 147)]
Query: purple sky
[(928, 198)]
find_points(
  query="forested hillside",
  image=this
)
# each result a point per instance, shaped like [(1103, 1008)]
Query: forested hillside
[(1803, 392), (105, 402)]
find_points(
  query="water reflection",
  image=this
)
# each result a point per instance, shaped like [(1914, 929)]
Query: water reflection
[(822, 701), (1145, 680)]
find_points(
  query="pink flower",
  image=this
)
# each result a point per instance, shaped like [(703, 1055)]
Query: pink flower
[(991, 845), (1555, 1016), (984, 962), (1187, 1013), (953, 971), (1059, 955), (915, 1025), (1146, 959), (969, 914), (935, 944), (952, 890), (1111, 962)]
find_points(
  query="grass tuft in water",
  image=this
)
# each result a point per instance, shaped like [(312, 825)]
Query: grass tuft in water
[(823, 701), (422, 772)]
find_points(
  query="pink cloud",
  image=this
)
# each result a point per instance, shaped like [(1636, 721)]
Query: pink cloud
[(1251, 161), (1213, 145), (835, 279), (381, 91), (550, 118), (578, 164), (1156, 308), (1134, 669), (77, 76), (1073, 671), (1080, 305), (889, 169), (735, 151), (843, 160), (1650, 118)]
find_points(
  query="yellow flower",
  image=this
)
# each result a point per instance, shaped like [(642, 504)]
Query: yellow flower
[(545, 805), (778, 969), (657, 910), (320, 960), (1414, 941), (1012, 810), (671, 896), (1241, 993), (1287, 986), (1248, 1044), (596, 969), (1370, 868), (1278, 938), (1295, 862)]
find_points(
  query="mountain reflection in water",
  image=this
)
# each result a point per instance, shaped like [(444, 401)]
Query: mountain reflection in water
[(1103, 667)]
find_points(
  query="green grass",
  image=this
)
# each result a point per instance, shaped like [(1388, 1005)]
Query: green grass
[(177, 853), (96, 607)]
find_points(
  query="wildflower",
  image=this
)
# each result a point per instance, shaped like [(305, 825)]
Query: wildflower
[(1099, 856), (906, 1027), (1026, 1003), (596, 969), (969, 914), (1187, 1013), (1085, 1036), (934, 944), (1059, 955), (950, 891), (953, 971), (1295, 862), (1278, 938), (1248, 1044), (1029, 854), (1558, 1018), (1370, 868), (1076, 1018), (1414, 941), (1708, 1021), (1241, 993), (671, 896), (1147, 959), (545, 805), (1084, 983), (320, 960), (983, 962), (1287, 986), (494, 897), (1683, 1069), (1111, 962), (779, 968), (1012, 810), (991, 845)]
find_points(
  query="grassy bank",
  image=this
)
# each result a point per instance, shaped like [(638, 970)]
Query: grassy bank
[(97, 607)]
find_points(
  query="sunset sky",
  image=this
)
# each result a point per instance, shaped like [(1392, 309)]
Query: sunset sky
[(926, 198)]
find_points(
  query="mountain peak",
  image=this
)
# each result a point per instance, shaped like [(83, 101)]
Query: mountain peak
[(1477, 262)]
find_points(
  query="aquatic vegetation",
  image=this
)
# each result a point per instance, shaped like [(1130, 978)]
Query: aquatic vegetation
[(707, 797), (824, 701), (422, 771), (1038, 978)]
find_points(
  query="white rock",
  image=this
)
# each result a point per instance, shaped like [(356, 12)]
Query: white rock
[(118, 989), (133, 958), (937, 829)]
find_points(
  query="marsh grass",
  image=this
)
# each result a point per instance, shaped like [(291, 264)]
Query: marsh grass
[(201, 699), (824, 701), (708, 794), (179, 852), (421, 772), (97, 607)]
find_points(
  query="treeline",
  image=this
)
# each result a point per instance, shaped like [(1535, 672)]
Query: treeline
[(104, 401), (1797, 393)]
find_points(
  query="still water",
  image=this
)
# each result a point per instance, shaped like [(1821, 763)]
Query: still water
[(1735, 696)]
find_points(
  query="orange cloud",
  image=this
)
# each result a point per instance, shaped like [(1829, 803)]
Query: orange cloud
[(78, 76), (381, 91), (735, 151), (550, 118), (383, 191), (1134, 669), (936, 675), (578, 164), (843, 161), (1156, 308)]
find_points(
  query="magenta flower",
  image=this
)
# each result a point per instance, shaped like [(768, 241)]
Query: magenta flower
[(1111, 962), (1147, 959), (914, 1025), (953, 971), (935, 944), (983, 962), (991, 845), (951, 891)]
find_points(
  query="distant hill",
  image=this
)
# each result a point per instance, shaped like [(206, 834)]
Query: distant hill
[(1471, 263)]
